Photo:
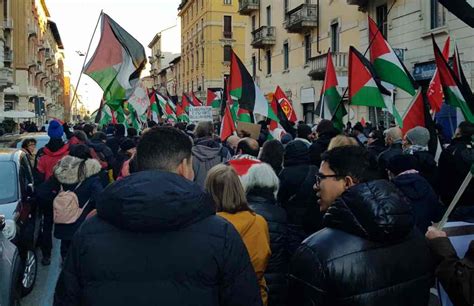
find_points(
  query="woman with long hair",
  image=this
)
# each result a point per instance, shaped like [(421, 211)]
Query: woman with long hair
[(228, 193)]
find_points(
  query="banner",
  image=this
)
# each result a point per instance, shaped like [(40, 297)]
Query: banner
[(200, 113)]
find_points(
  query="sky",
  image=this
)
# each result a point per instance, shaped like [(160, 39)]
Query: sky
[(143, 19)]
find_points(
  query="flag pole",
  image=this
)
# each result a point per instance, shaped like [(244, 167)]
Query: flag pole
[(365, 53), (85, 60), (455, 200)]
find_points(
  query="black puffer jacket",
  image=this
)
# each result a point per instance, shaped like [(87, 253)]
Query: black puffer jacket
[(157, 241), (428, 168), (369, 254), (263, 202), (384, 157), (319, 146)]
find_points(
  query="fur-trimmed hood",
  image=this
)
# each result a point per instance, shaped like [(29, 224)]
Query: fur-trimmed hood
[(67, 169)]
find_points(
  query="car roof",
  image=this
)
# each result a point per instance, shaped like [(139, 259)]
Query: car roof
[(10, 154)]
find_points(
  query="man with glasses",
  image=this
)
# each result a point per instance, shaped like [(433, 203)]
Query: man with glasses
[(369, 252)]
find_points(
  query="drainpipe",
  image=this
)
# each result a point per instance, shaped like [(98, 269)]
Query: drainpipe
[(317, 30)]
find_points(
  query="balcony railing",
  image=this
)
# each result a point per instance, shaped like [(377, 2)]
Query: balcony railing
[(8, 56), (318, 64), (302, 18), (248, 6), (227, 35), (8, 24), (263, 36)]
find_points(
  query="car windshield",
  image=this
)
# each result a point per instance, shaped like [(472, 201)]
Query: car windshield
[(9, 185)]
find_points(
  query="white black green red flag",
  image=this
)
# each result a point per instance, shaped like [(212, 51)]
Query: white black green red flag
[(455, 93), (387, 65), (214, 97), (246, 91), (116, 63)]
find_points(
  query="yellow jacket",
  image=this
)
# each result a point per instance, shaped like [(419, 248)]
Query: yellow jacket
[(254, 232)]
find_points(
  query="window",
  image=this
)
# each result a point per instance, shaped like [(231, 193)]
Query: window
[(285, 8), (227, 53), (269, 61), (308, 113), (202, 3), (438, 15), (269, 15), (197, 58), (202, 28), (227, 1), (307, 47), (381, 15), (335, 37), (227, 26), (254, 67), (202, 56), (192, 62), (286, 56), (254, 22)]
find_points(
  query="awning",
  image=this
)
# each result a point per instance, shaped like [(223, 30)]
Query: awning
[(17, 114)]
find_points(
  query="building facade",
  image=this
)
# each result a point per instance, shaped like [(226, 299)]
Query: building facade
[(288, 45), (209, 30), (34, 53)]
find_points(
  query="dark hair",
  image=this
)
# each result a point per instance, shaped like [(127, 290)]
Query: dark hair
[(303, 131), (99, 136), (248, 146), (350, 161), (119, 130), (401, 163), (80, 135), (358, 127), (27, 142), (81, 151), (163, 148), (88, 129), (272, 154), (132, 132), (204, 129), (190, 127), (180, 126), (466, 128)]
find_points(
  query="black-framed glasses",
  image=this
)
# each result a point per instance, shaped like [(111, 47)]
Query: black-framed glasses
[(319, 177)]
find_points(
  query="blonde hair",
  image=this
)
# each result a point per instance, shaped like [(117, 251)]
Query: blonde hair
[(342, 141), (224, 185)]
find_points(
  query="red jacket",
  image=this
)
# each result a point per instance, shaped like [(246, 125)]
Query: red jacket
[(47, 162)]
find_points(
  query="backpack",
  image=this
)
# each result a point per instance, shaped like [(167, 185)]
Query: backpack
[(66, 206)]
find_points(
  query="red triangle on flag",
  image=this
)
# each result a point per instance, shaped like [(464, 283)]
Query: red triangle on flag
[(415, 114), (211, 96), (378, 46)]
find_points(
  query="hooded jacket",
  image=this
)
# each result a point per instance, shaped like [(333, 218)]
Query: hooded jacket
[(422, 197), (66, 173), (156, 241), (49, 156), (262, 201), (206, 154), (368, 253), (254, 232)]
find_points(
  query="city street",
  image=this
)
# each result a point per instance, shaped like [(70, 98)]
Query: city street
[(43, 292)]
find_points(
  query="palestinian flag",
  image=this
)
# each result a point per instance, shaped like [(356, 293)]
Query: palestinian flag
[(107, 115), (117, 61), (244, 115), (228, 123), (195, 100), (285, 104), (185, 102), (154, 110), (214, 97), (458, 71), (181, 114), (456, 94), (330, 97), (247, 93), (364, 87), (435, 89), (386, 63), (168, 109)]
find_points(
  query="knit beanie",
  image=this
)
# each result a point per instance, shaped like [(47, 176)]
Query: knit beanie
[(296, 152), (418, 136), (55, 129)]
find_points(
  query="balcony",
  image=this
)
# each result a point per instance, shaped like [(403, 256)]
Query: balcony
[(361, 3), (248, 6), (318, 64), (263, 37), (227, 35), (6, 77), (302, 18), (8, 24), (32, 30)]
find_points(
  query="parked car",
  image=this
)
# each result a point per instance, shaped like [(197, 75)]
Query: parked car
[(15, 141), (10, 265), (19, 208)]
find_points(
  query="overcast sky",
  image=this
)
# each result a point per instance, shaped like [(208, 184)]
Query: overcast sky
[(76, 20)]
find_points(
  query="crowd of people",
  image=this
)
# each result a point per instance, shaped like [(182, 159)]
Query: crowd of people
[(175, 216)]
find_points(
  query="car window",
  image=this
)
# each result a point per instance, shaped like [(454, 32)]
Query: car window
[(9, 185)]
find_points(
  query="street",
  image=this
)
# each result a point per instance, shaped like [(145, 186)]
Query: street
[(43, 291)]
